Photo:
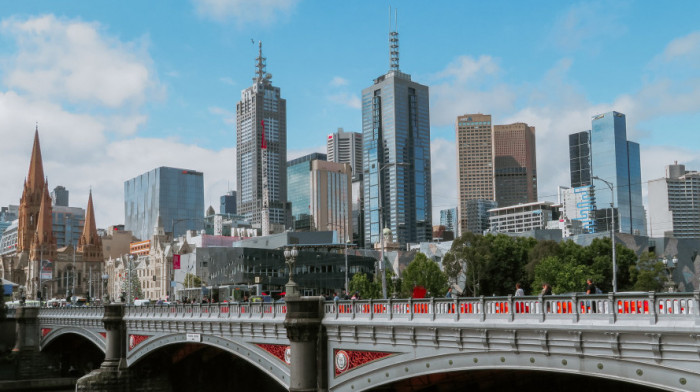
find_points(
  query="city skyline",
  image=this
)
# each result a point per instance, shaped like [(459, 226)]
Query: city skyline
[(116, 92)]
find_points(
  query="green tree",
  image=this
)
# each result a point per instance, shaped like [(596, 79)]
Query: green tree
[(426, 273), (563, 275), (192, 280), (467, 260), (648, 274), (367, 288)]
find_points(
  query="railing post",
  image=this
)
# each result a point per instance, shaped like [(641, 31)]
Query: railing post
[(371, 309), (613, 302), (390, 309), (696, 306), (653, 310), (482, 309), (542, 308), (352, 306), (511, 311), (576, 307), (455, 304), (410, 308), (432, 308)]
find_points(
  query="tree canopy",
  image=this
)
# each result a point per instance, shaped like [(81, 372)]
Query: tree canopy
[(426, 273)]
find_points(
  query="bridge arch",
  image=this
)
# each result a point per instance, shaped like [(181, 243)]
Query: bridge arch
[(88, 334), (275, 368), (406, 366)]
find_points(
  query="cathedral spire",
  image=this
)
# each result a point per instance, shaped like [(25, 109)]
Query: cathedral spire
[(90, 244), (35, 178), (44, 244)]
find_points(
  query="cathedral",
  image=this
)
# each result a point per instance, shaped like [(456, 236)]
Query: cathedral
[(37, 264)]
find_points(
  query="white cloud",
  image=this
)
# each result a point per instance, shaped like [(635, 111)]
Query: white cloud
[(73, 61), (227, 80), (347, 99), (682, 47), (245, 12), (585, 25), (338, 81), (227, 116), (443, 163)]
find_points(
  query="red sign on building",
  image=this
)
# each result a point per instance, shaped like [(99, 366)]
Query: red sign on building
[(176, 261)]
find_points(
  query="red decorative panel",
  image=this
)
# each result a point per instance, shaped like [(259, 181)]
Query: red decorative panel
[(135, 340), (347, 360), (104, 334), (280, 351), (45, 331)]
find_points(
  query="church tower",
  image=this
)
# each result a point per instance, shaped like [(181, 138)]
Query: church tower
[(90, 244), (30, 203)]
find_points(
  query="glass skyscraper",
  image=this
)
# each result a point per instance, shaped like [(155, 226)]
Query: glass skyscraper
[(176, 195), (261, 123), (396, 156), (299, 188), (605, 152)]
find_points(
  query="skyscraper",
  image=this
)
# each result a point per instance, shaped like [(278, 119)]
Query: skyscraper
[(228, 203), (515, 164), (396, 155), (261, 151), (674, 203), (448, 218), (346, 147), (331, 201), (605, 152), (174, 195), (475, 171), (59, 196), (299, 183)]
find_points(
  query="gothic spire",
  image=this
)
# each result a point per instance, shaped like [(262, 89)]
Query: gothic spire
[(44, 228), (89, 236), (35, 178)]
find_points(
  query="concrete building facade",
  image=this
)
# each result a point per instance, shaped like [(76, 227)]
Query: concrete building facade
[(346, 147), (674, 203), (515, 164)]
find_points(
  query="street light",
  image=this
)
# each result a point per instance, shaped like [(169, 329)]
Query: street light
[(381, 213), (612, 230), (669, 267), (290, 257)]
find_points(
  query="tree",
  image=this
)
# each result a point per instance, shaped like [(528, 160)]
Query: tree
[(368, 289), (192, 280), (564, 276), (426, 273), (467, 261), (648, 274)]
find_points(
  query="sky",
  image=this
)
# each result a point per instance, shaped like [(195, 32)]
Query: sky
[(120, 89)]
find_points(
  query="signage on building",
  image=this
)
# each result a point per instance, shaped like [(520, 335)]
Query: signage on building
[(193, 337), (176, 261)]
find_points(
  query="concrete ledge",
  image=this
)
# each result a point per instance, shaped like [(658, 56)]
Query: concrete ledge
[(48, 384)]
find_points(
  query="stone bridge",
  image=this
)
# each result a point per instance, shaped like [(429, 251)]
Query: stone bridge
[(308, 344)]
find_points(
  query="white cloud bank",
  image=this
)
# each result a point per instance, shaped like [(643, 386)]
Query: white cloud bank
[(244, 12)]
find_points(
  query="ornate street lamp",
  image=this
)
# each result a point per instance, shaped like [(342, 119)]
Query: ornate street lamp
[(669, 267), (290, 257)]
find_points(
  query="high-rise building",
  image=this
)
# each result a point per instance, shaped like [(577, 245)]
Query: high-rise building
[(68, 223), (346, 147), (515, 164), (674, 203), (448, 218), (59, 196), (261, 152), (174, 195), (396, 156), (610, 157), (475, 171), (331, 198), (228, 203), (299, 186)]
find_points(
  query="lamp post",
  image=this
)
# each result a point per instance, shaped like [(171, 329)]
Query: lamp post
[(381, 213), (347, 242), (290, 257), (669, 267), (612, 230)]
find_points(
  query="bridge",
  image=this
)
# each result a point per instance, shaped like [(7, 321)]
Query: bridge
[(309, 344)]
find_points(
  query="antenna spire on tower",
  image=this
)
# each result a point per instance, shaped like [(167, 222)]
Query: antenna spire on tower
[(394, 42), (260, 64)]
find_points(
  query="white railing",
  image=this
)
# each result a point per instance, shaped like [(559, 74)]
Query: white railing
[(252, 310), (578, 307)]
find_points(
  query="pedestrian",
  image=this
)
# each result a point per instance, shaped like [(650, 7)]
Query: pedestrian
[(591, 287), (546, 289), (336, 297), (519, 292), (449, 293)]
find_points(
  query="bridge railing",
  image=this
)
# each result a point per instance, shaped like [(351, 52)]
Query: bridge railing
[(233, 310), (613, 307)]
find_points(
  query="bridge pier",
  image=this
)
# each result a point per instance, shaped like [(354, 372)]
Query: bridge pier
[(305, 332), (113, 375), (29, 361)]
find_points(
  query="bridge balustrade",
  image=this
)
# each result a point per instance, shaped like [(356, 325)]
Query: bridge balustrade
[(625, 305), (210, 311)]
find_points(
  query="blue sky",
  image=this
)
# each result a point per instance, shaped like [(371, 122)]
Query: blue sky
[(128, 86)]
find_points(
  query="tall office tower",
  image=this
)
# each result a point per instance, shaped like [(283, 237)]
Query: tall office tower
[(346, 147), (331, 198), (607, 154), (59, 196), (515, 164), (578, 204), (174, 195), (396, 156), (674, 203), (228, 203), (299, 186), (475, 171), (261, 151), (448, 218), (68, 224)]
